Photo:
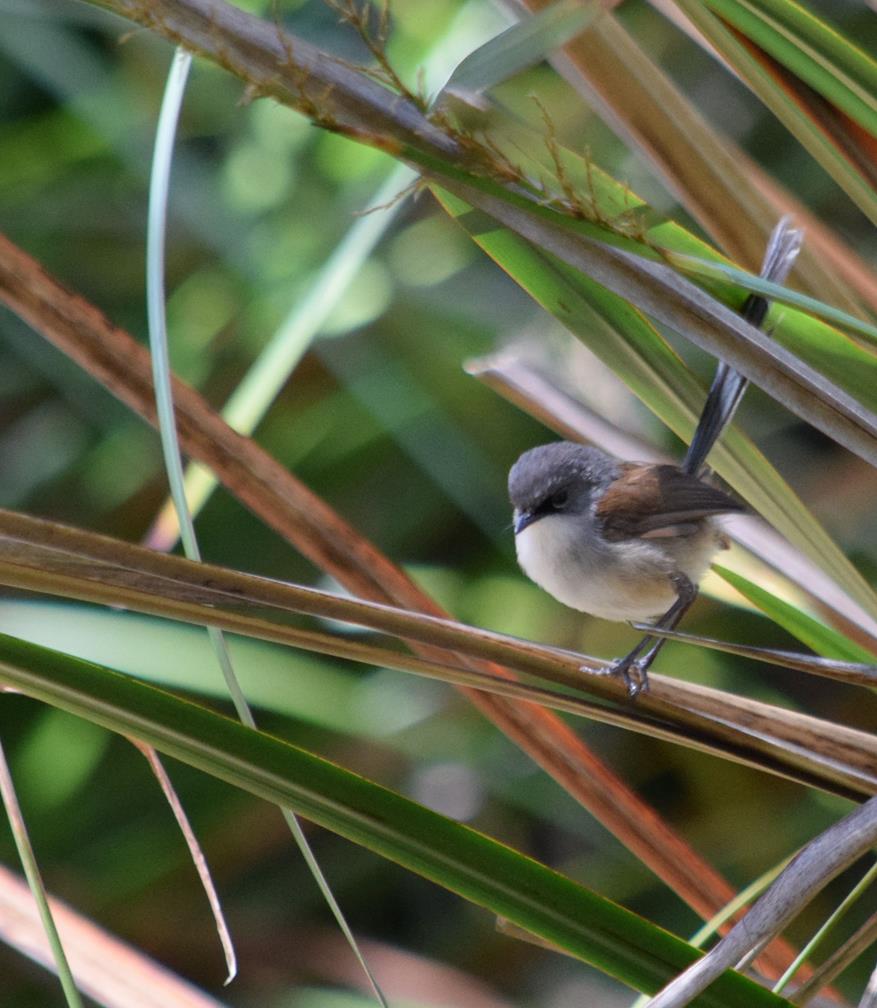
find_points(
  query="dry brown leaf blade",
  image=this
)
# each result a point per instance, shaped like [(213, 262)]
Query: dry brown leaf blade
[(858, 942), (808, 872), (100, 569), (114, 973), (855, 673), (196, 853)]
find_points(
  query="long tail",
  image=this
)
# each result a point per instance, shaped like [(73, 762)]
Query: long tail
[(729, 385)]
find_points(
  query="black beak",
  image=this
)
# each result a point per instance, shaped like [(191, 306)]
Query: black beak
[(523, 519)]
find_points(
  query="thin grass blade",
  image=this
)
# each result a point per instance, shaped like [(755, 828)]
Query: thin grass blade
[(808, 872), (196, 853), (158, 196), (155, 296), (35, 883), (778, 293), (852, 897), (857, 674)]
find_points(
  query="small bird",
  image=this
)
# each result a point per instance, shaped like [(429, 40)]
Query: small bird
[(619, 540), (631, 540)]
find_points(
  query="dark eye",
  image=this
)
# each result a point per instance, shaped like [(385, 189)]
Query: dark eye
[(558, 501)]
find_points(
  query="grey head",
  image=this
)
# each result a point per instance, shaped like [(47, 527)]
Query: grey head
[(558, 478)]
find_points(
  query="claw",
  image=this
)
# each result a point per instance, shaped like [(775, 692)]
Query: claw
[(636, 683), (634, 673)]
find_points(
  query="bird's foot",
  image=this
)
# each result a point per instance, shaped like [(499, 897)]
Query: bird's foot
[(634, 672)]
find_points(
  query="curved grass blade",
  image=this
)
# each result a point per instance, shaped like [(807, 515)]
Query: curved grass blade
[(158, 196), (196, 853), (159, 185), (455, 856), (35, 883)]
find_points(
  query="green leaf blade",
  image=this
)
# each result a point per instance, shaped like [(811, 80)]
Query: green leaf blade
[(518, 47), (455, 856), (821, 639), (835, 68)]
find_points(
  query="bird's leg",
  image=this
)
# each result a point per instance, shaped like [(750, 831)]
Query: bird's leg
[(634, 667)]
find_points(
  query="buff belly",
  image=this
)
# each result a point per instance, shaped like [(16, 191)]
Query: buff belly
[(629, 580)]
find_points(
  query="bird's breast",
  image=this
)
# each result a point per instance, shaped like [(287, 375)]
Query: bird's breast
[(628, 580)]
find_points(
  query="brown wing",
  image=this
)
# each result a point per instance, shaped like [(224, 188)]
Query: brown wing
[(646, 497)]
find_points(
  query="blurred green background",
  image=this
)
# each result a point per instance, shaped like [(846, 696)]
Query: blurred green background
[(382, 421)]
